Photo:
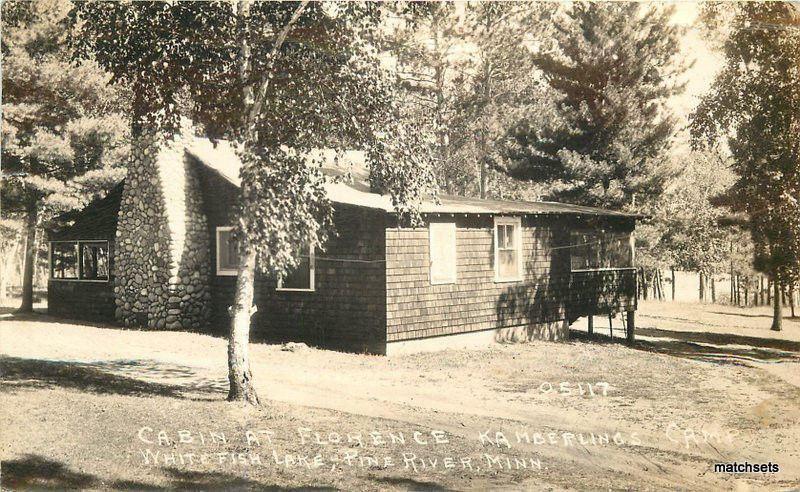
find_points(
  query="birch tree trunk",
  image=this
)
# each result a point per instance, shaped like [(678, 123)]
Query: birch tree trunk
[(777, 314), (30, 259), (239, 375)]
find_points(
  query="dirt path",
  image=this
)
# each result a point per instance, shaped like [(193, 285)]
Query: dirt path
[(674, 407)]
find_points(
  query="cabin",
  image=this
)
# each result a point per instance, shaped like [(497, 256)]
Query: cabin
[(156, 253)]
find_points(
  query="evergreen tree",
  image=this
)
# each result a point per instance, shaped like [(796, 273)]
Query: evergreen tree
[(753, 104), (605, 139), (64, 134)]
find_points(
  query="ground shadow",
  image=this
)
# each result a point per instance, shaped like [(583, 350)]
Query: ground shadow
[(721, 338), (411, 484), (751, 315), (727, 349), (110, 377), (40, 473)]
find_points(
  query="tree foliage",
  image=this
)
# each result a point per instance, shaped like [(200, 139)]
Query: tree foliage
[(65, 136), (753, 105), (278, 79), (605, 139), (325, 88)]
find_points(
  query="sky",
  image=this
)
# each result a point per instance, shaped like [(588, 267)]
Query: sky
[(706, 62)]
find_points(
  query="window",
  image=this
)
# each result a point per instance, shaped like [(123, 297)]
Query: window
[(301, 278), (79, 260), (94, 260), (508, 249), (64, 260), (227, 256), (442, 252), (599, 249)]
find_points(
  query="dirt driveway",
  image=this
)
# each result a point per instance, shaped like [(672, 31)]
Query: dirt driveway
[(595, 415)]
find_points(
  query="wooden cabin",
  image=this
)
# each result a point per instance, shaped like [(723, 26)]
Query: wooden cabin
[(477, 271)]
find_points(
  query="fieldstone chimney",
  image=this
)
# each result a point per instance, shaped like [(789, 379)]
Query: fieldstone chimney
[(162, 267)]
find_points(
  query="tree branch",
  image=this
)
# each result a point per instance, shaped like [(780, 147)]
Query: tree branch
[(257, 105)]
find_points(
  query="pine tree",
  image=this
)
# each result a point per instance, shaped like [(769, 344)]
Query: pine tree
[(605, 138), (753, 105), (64, 133)]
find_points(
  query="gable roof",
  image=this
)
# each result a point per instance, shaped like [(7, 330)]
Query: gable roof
[(222, 159), (98, 220)]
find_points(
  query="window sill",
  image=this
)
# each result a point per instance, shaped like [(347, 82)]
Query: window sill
[(579, 270), (280, 289), (444, 282), (507, 280), (227, 273), (91, 280)]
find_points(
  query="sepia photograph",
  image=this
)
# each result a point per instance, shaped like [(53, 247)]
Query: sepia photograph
[(400, 245)]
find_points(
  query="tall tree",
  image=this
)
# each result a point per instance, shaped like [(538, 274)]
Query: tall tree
[(64, 134), (606, 138), (278, 79), (753, 104), (495, 89), (425, 42)]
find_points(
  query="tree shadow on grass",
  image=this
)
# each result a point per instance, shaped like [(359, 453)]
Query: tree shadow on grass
[(40, 473), (411, 484), (718, 348), (109, 377)]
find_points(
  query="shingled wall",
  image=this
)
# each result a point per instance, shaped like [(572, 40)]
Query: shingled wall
[(347, 309), (533, 308)]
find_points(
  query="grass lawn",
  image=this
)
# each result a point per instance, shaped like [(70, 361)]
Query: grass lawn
[(88, 406)]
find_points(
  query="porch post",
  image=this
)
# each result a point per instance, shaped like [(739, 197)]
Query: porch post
[(591, 324), (631, 325)]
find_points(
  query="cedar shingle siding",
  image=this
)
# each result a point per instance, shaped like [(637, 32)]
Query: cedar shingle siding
[(417, 309), (346, 311), (372, 284)]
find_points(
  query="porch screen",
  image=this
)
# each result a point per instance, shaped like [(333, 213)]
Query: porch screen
[(595, 250), (443, 252)]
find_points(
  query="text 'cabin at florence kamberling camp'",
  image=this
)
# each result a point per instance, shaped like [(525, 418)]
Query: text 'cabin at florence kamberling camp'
[(157, 253)]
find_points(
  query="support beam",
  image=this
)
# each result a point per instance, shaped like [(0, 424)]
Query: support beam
[(591, 324), (631, 325)]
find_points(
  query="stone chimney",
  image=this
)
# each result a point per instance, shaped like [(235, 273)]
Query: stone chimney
[(162, 259)]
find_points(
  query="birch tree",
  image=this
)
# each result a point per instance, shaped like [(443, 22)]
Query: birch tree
[(277, 79)]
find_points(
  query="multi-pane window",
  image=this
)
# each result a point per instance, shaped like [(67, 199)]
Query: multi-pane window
[(302, 276), (227, 256), (64, 260), (508, 249), (79, 260), (598, 249), (94, 260), (442, 252)]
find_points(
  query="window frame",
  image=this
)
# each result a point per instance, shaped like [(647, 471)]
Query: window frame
[(515, 221), (79, 250), (451, 226), (222, 272), (602, 238), (311, 276)]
